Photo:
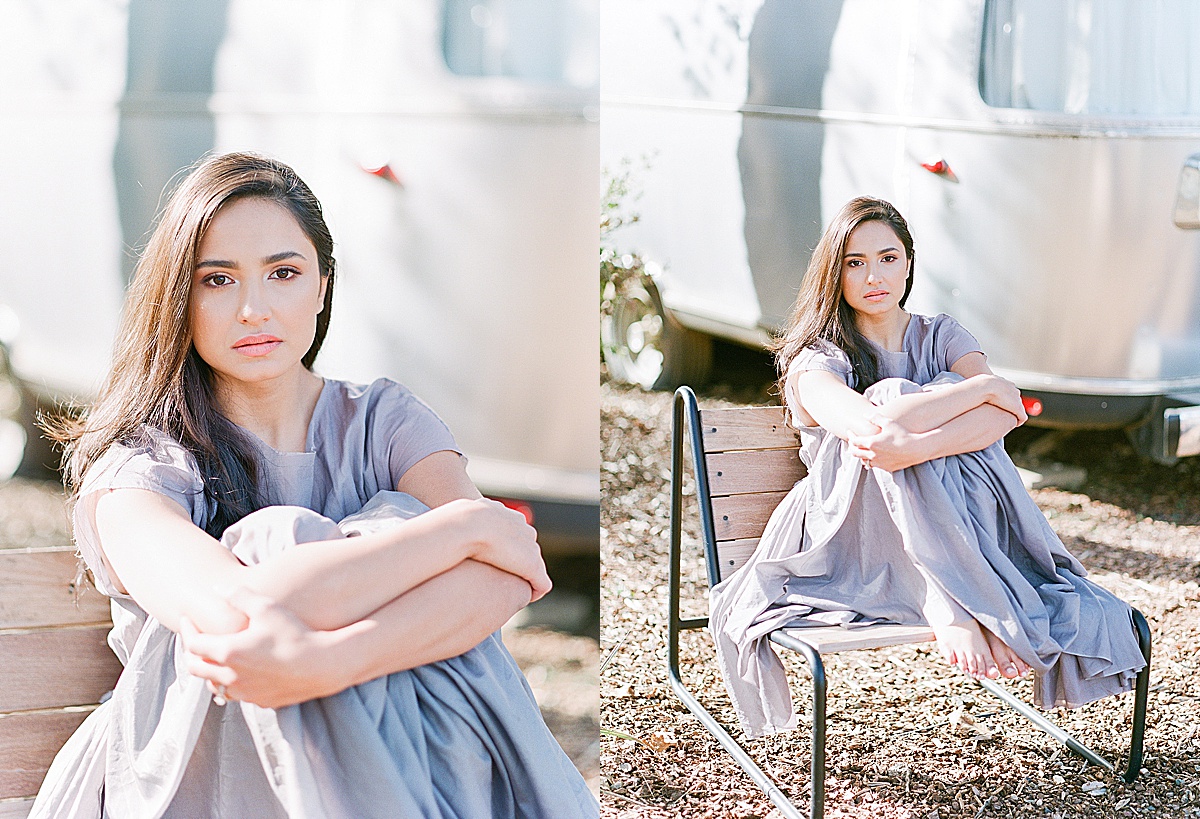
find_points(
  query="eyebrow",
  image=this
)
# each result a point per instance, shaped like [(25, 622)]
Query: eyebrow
[(885, 250), (272, 259)]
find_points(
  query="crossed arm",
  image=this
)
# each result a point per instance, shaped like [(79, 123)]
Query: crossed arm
[(914, 428), (323, 616)]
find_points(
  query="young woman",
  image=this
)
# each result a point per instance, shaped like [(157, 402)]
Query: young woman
[(911, 511), (359, 659)]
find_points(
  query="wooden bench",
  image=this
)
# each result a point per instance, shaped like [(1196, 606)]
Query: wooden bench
[(744, 461), (55, 665)]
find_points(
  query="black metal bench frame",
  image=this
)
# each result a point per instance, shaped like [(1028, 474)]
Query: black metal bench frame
[(687, 433)]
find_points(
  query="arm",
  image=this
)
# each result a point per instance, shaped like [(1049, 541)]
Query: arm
[(328, 584), (438, 479), (277, 660), (831, 404), (897, 446)]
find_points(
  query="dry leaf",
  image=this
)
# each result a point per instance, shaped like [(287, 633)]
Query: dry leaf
[(660, 741), (964, 723)]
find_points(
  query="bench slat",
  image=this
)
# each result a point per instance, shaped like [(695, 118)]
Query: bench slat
[(37, 589), (743, 516), (828, 639), (733, 554), (50, 668), (770, 470), (28, 743), (16, 809), (746, 428)]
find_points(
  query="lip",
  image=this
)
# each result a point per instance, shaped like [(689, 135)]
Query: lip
[(875, 295), (258, 345)]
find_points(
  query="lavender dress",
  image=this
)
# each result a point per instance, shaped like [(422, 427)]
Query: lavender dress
[(458, 738), (932, 544)]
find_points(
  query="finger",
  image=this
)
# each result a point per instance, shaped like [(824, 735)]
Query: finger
[(540, 589), (187, 630), (541, 583), (214, 674), (215, 648)]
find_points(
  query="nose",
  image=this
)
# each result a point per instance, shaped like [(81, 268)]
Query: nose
[(253, 309)]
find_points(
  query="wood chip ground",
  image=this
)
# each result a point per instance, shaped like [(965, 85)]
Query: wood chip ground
[(908, 737)]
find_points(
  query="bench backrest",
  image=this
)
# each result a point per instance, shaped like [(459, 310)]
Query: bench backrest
[(55, 662), (752, 460)]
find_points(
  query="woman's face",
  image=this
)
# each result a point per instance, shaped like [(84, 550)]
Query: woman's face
[(256, 292), (874, 269)]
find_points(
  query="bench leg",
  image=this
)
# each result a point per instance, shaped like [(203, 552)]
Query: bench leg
[(686, 417), (747, 764), (1141, 692)]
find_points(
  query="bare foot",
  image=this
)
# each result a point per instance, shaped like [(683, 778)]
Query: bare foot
[(1010, 665), (964, 645)]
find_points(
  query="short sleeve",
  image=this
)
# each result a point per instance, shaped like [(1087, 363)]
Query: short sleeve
[(822, 356), (953, 341), (160, 465), (406, 428)]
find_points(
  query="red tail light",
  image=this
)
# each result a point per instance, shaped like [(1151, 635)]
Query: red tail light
[(520, 506), (1033, 406)]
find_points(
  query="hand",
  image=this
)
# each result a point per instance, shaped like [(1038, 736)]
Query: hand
[(502, 538), (276, 660), (892, 447), (1004, 394)]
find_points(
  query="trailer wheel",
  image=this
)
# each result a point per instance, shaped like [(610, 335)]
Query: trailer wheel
[(642, 342), (13, 435)]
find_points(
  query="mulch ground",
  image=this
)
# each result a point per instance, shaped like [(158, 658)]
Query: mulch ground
[(908, 737)]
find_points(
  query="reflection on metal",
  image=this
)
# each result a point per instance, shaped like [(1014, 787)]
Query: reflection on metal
[(1055, 250), (999, 123), (475, 287), (1187, 196), (1183, 430), (1097, 386)]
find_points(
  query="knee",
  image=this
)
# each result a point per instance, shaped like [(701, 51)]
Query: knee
[(384, 510), (272, 529), (887, 389), (945, 379)]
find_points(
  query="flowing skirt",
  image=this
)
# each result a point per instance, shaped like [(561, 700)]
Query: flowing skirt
[(951, 538)]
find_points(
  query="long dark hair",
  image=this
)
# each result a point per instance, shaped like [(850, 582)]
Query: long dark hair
[(820, 314), (158, 380)]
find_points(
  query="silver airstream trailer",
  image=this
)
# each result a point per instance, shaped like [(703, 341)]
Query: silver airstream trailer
[(1044, 153), (454, 144)]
